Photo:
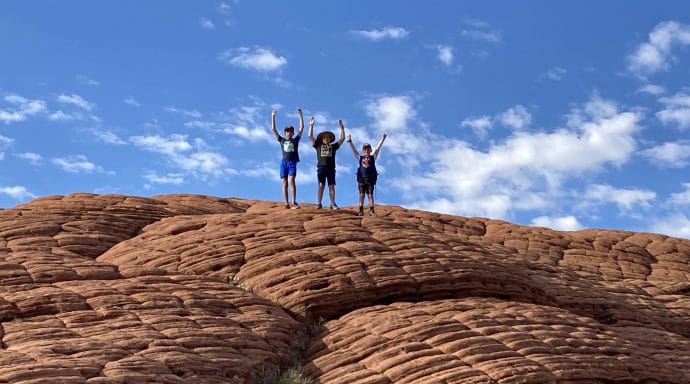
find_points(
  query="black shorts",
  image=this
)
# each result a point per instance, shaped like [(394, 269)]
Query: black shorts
[(324, 174), (366, 184)]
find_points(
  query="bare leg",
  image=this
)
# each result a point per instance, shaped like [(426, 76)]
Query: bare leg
[(285, 191), (371, 200), (293, 188), (319, 193), (331, 193)]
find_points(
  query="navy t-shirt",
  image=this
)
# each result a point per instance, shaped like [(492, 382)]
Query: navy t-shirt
[(325, 154), (289, 148), (367, 167)]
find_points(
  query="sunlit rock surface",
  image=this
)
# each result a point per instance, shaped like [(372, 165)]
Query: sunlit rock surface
[(199, 289)]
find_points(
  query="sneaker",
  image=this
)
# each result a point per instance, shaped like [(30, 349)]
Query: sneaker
[(334, 206), (372, 213), (287, 206), (319, 206), (295, 206), (360, 213)]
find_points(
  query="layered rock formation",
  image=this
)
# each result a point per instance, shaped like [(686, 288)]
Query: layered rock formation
[(198, 289)]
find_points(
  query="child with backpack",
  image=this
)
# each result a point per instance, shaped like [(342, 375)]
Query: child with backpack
[(366, 173)]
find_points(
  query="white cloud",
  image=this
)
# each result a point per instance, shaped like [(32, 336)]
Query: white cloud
[(625, 199), (445, 54), (250, 123), (259, 59), (670, 154), (132, 101), (677, 110), (170, 178), (681, 198), (480, 125), (75, 100), (193, 158), (392, 114), (206, 23), (107, 137), (516, 117), (5, 141), (484, 35), (88, 81), (77, 164), (250, 134), (555, 74), (186, 112), (380, 34), (171, 145), (17, 192), (560, 223), (466, 181), (651, 89), (33, 158), (676, 225), (655, 54), (22, 109)]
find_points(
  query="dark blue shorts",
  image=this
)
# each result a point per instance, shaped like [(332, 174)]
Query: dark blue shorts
[(288, 167), (323, 174)]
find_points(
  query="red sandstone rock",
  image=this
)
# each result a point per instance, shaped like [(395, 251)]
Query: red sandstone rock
[(199, 289)]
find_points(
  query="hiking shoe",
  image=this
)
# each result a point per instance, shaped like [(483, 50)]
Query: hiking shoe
[(372, 213), (287, 206), (319, 206), (360, 213), (295, 206), (334, 206)]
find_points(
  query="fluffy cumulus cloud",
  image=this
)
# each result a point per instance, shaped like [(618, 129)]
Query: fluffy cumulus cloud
[(20, 108), (554, 74), (517, 117), (445, 54), (206, 23), (480, 125), (393, 115), (33, 158), (189, 157), (625, 199), (655, 54), (676, 110), (170, 178), (75, 100), (681, 198), (381, 34), (670, 154), (76, 164), (258, 59), (17, 192), (560, 223), (462, 180), (107, 137), (249, 123), (677, 225), (651, 89)]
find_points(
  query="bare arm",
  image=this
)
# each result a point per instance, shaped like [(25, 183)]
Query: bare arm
[(273, 124), (311, 130), (352, 146), (301, 122), (380, 144), (342, 132)]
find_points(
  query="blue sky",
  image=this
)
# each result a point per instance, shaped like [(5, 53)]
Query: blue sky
[(569, 115)]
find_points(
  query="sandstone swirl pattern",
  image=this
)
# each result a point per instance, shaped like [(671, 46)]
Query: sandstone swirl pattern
[(198, 289)]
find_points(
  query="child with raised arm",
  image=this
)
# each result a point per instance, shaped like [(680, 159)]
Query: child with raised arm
[(289, 148), (325, 160), (366, 173)]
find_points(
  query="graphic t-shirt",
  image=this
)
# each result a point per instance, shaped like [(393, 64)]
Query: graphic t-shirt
[(325, 154), (289, 148)]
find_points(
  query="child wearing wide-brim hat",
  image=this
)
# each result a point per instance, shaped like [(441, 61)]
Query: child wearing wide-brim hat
[(326, 147)]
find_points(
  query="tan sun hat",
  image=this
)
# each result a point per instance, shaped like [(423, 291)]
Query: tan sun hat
[(319, 137)]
